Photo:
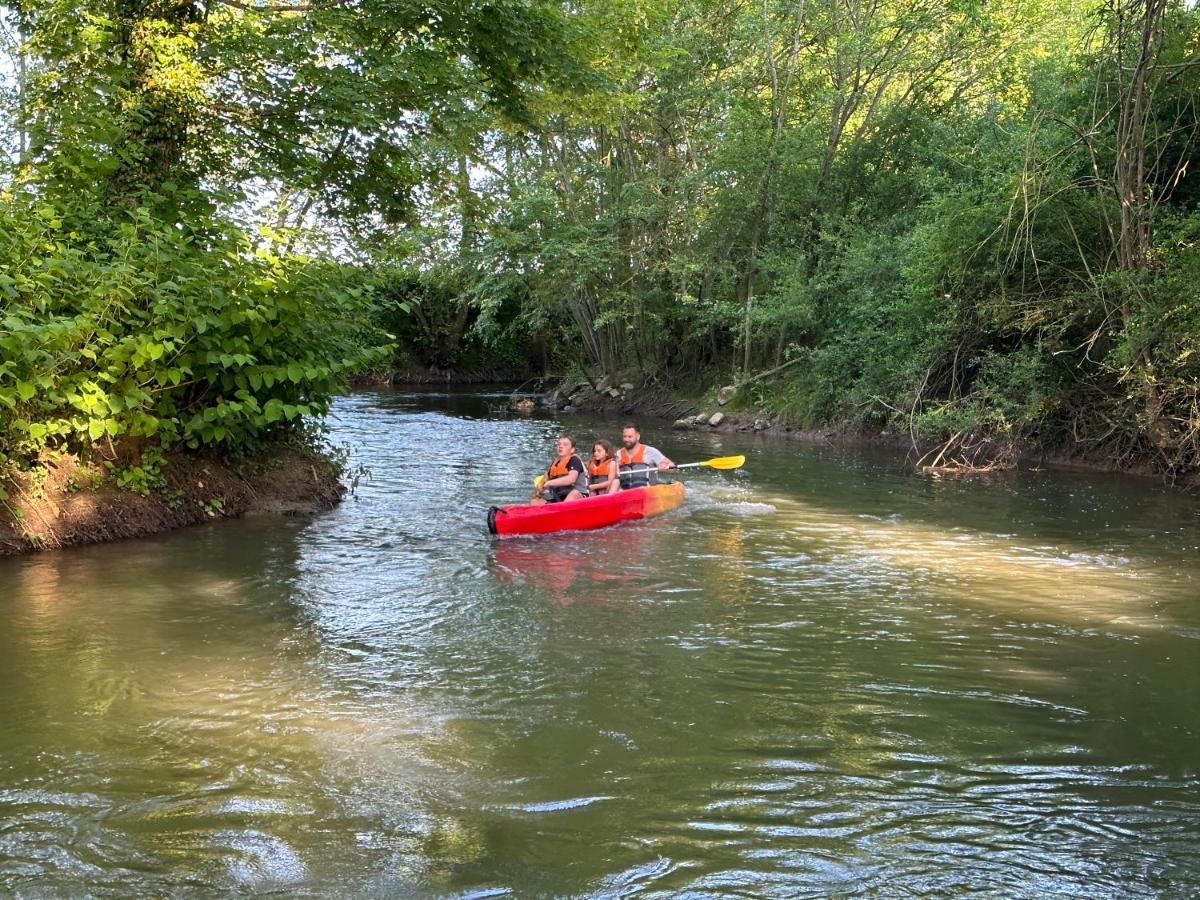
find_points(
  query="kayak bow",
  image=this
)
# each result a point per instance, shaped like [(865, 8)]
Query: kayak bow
[(592, 512)]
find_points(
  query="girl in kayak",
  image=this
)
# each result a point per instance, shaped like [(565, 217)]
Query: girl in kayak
[(602, 470), (566, 479)]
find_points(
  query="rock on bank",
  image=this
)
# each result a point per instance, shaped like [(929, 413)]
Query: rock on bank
[(67, 503)]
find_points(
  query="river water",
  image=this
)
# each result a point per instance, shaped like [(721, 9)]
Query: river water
[(823, 675)]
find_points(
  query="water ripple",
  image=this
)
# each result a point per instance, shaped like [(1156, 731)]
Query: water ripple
[(820, 676)]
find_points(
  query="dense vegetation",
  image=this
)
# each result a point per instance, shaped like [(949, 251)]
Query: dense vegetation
[(969, 221), (161, 285)]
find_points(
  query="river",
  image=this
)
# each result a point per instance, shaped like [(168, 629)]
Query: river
[(824, 674)]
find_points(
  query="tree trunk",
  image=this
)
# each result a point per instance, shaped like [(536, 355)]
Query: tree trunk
[(22, 116), (1130, 177), (765, 207), (156, 122), (466, 212)]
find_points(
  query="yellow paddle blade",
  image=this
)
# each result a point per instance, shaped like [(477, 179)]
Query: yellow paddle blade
[(538, 481), (724, 462)]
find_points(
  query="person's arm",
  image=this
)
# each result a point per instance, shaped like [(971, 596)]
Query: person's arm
[(614, 478), (663, 463), (611, 481), (596, 487)]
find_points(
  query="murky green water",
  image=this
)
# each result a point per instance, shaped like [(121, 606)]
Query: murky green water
[(823, 675)]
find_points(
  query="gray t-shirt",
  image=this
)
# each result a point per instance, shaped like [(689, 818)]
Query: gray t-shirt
[(652, 457)]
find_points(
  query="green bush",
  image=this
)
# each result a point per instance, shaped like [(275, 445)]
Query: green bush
[(137, 331)]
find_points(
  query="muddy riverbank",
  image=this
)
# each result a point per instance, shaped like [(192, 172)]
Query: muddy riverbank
[(66, 502)]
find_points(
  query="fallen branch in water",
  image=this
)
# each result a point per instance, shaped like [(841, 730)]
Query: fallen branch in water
[(963, 454)]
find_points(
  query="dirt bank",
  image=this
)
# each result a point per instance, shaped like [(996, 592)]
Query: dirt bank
[(68, 503)]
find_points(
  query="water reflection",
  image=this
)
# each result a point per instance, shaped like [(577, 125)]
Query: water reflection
[(609, 558), (820, 675), (1006, 572)]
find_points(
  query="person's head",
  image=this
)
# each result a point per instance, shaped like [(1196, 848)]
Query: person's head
[(602, 450), (630, 436), (565, 445)]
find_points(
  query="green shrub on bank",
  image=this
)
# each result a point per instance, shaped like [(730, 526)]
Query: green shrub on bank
[(136, 331)]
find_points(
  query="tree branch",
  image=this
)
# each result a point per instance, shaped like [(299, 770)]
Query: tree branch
[(279, 7)]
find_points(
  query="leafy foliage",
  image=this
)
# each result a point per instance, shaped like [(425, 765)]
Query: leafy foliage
[(140, 312), (158, 335), (950, 218), (945, 218)]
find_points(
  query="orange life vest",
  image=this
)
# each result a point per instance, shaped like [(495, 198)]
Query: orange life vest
[(599, 471), (631, 459), (635, 472), (561, 467)]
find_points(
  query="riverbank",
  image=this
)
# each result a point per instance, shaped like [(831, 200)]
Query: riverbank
[(67, 502), (726, 410)]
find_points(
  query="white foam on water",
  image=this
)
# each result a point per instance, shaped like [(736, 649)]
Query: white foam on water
[(750, 508), (560, 805), (736, 501)]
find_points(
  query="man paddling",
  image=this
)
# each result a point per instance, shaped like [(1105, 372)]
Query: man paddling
[(566, 479), (639, 464)]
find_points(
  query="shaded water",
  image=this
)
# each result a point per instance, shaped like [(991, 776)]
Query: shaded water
[(822, 675)]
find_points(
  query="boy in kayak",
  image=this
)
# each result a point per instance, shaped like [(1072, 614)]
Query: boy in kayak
[(639, 464), (566, 479), (603, 469)]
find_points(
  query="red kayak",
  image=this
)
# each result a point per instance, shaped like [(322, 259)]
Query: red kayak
[(580, 515)]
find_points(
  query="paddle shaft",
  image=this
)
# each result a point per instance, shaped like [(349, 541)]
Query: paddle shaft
[(720, 462)]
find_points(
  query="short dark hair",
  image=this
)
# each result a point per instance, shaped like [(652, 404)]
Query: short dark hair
[(631, 425), (567, 437)]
